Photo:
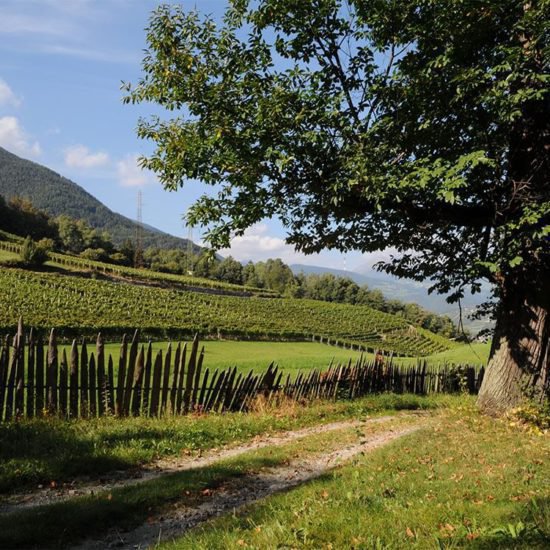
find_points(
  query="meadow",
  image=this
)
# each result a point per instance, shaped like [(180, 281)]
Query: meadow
[(295, 357)]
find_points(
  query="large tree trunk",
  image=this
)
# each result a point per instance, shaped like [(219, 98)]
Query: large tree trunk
[(519, 363)]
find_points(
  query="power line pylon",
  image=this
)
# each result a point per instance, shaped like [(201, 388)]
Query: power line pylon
[(190, 250), (138, 245)]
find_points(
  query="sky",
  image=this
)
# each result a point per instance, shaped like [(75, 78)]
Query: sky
[(61, 67)]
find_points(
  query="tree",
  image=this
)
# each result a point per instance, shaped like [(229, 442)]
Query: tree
[(70, 234), (34, 254), (250, 277), (420, 125), (229, 270), (19, 216), (275, 274)]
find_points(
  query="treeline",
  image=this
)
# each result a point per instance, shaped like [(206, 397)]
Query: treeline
[(61, 234)]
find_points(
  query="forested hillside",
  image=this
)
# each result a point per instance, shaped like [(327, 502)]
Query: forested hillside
[(57, 195)]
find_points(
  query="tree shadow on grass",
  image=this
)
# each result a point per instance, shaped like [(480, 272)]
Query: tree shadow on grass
[(528, 529), (61, 524), (40, 451)]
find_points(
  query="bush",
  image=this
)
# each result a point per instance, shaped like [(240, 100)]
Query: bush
[(94, 254), (118, 258), (34, 254)]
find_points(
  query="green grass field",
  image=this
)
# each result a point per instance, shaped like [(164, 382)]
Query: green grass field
[(472, 354), (294, 357), (290, 356)]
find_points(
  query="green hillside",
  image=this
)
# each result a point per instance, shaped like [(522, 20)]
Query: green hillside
[(79, 305), (57, 195), (11, 245)]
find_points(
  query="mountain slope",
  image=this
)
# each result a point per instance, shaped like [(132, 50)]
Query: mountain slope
[(57, 195), (409, 291)]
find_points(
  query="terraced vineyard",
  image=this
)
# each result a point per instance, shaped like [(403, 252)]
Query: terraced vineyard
[(78, 304), (12, 245)]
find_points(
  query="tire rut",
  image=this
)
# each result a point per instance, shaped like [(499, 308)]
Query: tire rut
[(24, 501), (243, 491)]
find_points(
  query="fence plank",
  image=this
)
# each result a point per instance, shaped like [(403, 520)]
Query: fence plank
[(147, 380), (121, 376), (4, 360), (11, 380), (155, 390), (52, 373), (138, 380), (84, 381), (20, 370), (102, 398), (166, 377), (181, 380), (40, 387), (174, 385), (31, 392), (132, 356), (73, 381), (197, 378), (63, 377), (111, 385), (92, 386), (188, 394)]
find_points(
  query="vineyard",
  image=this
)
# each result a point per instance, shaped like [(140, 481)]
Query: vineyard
[(12, 244), (79, 305)]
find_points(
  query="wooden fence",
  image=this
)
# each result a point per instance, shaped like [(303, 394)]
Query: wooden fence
[(37, 380)]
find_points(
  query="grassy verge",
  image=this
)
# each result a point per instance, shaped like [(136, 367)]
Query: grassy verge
[(41, 451), (131, 506), (469, 482)]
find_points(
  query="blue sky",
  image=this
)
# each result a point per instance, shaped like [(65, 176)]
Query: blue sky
[(61, 66)]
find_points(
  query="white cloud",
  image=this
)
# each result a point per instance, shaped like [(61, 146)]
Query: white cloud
[(7, 97), (79, 156), (257, 245), (93, 54), (24, 24), (15, 139), (130, 174)]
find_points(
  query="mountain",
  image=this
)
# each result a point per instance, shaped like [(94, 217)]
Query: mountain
[(409, 291), (57, 195)]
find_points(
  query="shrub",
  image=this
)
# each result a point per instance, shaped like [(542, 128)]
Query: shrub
[(94, 254), (34, 254)]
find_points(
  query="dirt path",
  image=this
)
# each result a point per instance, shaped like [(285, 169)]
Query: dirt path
[(246, 490), (21, 501)]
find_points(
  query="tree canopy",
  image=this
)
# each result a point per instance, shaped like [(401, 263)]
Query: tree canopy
[(421, 126)]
